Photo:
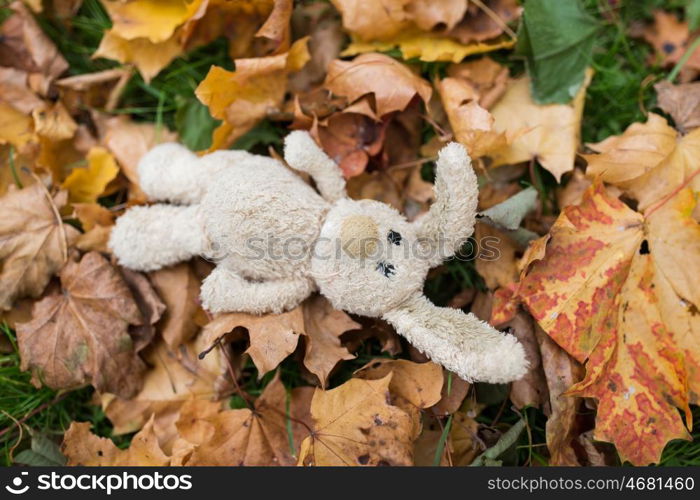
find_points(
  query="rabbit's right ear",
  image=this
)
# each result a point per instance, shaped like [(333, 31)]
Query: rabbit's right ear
[(460, 342)]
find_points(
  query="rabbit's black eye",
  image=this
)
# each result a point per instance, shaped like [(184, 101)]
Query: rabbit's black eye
[(394, 237), (386, 269)]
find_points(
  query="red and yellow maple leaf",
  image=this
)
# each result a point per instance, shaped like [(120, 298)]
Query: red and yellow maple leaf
[(613, 289)]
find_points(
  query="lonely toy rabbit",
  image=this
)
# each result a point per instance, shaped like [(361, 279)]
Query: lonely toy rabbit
[(276, 240)]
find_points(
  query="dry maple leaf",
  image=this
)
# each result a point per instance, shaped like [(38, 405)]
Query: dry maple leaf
[(33, 242), (247, 437), (355, 424), (246, 95), (393, 84), (418, 383), (83, 448), (614, 288), (79, 334), (273, 337), (546, 133), (649, 161)]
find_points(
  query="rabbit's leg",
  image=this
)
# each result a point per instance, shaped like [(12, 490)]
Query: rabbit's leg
[(148, 238), (171, 172), (304, 155), (225, 291)]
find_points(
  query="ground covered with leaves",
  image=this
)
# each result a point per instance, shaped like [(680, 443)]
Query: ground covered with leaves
[(581, 117)]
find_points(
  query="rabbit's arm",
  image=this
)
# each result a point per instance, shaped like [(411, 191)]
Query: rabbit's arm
[(304, 155)]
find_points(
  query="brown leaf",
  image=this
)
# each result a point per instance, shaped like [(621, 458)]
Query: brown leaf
[(531, 390), (33, 242), (23, 45), (393, 84), (453, 392), (178, 287), (149, 304), (355, 424), (273, 337), (479, 24), (682, 102), (246, 437), (323, 327), (83, 448), (79, 334), (561, 372)]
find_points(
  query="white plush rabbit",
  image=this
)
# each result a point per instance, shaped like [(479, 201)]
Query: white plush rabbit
[(276, 240)]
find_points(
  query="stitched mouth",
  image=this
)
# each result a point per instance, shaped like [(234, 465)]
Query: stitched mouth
[(386, 269)]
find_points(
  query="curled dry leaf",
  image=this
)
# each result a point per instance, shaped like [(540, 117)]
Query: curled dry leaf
[(83, 448), (272, 337), (355, 424), (682, 102), (23, 45), (549, 134), (178, 286), (648, 161), (392, 84), (149, 304), (435, 30), (246, 95), (623, 301), (33, 242), (79, 333)]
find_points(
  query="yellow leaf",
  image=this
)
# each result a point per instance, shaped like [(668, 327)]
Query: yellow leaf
[(16, 128), (617, 290), (85, 185), (53, 122), (147, 56), (549, 133), (648, 161), (245, 96), (155, 20), (355, 424), (428, 47)]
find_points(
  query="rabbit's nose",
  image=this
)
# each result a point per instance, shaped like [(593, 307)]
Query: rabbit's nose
[(358, 236)]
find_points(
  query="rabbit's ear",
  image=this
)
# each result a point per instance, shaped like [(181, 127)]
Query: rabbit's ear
[(460, 342), (450, 220)]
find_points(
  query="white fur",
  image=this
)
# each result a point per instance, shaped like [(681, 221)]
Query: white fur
[(275, 241)]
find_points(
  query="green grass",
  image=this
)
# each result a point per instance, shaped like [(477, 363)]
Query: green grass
[(614, 100)]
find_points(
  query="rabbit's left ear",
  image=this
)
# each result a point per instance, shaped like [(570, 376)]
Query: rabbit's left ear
[(460, 342), (450, 220)]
